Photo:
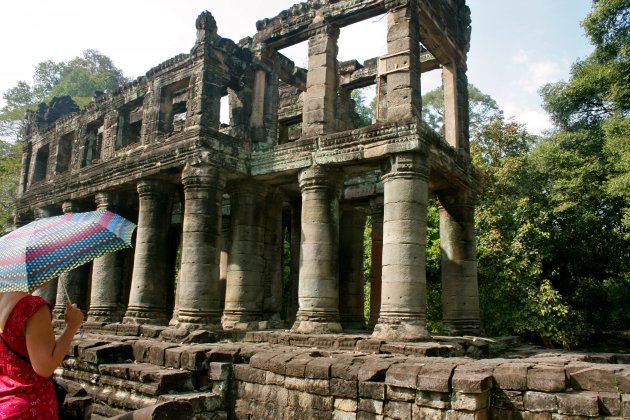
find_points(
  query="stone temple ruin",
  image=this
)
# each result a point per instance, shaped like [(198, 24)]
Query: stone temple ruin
[(214, 202)]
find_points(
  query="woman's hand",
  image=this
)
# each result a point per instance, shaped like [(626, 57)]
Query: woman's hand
[(73, 316)]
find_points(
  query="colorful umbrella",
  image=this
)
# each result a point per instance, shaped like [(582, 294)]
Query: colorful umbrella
[(35, 253)]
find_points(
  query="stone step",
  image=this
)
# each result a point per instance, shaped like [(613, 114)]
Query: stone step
[(146, 378), (200, 401)]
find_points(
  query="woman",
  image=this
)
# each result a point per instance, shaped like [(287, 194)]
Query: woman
[(26, 391)]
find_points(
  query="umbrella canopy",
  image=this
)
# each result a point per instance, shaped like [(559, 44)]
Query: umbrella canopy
[(35, 253)]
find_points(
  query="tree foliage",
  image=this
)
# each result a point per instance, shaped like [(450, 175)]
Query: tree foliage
[(10, 160), (550, 224), (79, 78), (482, 108)]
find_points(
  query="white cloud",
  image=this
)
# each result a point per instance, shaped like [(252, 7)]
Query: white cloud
[(534, 118), (538, 74), (520, 57)]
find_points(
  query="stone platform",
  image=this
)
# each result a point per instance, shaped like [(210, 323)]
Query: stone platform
[(276, 374)]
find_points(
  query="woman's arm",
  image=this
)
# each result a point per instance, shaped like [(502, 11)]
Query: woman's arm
[(45, 352)]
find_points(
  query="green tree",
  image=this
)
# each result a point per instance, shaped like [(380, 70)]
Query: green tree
[(10, 160), (364, 111), (482, 108), (596, 99), (79, 78)]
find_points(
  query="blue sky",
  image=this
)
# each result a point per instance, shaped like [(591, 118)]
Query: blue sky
[(517, 45)]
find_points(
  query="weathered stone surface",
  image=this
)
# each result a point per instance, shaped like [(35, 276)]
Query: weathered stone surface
[(297, 365), (436, 377), (247, 373), (171, 409), (546, 378), (578, 404), (157, 353), (343, 388), (397, 410), (372, 390), (472, 378), (370, 406), (609, 403), (319, 368), (315, 386), (109, 353), (403, 375), (439, 400), (395, 393), (470, 402), (511, 376), (304, 399), (594, 379), (508, 400)]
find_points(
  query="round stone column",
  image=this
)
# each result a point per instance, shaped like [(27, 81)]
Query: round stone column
[(403, 299), (318, 290), (351, 269), (246, 264), (76, 281), (376, 205), (106, 297), (49, 291), (147, 297), (199, 288), (460, 293)]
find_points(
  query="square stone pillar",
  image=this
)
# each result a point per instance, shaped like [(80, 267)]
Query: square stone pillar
[(320, 98), (264, 111), (199, 300), (460, 292), (351, 269), (246, 264), (456, 112), (106, 293), (77, 281), (401, 65), (376, 272), (206, 82), (147, 297), (403, 301), (318, 293)]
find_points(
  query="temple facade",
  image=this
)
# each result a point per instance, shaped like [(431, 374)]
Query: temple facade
[(214, 202)]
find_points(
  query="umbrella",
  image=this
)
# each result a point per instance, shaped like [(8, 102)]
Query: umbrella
[(41, 250)]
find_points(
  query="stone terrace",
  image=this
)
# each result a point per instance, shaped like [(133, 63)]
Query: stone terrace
[(341, 376)]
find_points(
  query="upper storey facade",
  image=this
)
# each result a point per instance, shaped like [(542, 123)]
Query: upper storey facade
[(171, 116)]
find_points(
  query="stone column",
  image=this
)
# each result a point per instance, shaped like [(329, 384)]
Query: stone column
[(272, 303), (206, 81), (403, 302), (106, 303), (351, 269), (402, 64), (199, 286), (376, 205), (460, 294), (320, 98), (245, 286), (456, 113), (318, 293), (49, 292), (77, 281), (147, 297), (296, 235), (225, 251)]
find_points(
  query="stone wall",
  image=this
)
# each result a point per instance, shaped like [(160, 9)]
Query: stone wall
[(346, 377)]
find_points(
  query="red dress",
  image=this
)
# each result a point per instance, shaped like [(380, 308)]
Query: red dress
[(23, 393)]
